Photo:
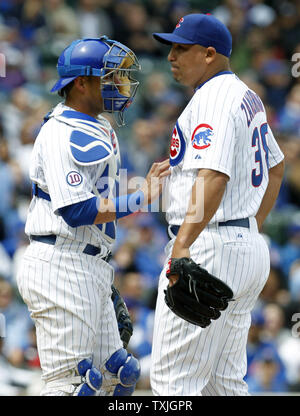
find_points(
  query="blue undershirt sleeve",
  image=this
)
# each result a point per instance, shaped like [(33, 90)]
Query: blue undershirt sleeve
[(81, 213)]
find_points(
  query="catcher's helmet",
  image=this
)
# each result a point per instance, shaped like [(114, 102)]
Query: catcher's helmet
[(106, 58)]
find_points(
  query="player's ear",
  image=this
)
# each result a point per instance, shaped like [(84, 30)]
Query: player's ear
[(211, 54), (80, 83)]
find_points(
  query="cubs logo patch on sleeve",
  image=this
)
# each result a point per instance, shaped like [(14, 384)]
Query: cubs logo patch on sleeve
[(177, 146), (201, 138)]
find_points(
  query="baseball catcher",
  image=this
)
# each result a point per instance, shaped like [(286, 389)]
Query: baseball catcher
[(196, 296)]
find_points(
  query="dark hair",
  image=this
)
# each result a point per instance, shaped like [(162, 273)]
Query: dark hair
[(65, 91)]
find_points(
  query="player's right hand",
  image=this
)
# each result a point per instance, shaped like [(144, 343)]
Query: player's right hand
[(154, 180)]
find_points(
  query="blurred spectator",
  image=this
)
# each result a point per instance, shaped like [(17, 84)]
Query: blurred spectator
[(294, 281), (274, 327), (18, 323), (14, 116), (275, 76), (127, 231), (131, 287), (11, 179), (289, 114), (9, 176), (14, 74), (276, 288), (124, 258), (17, 257), (32, 19), (144, 145), (29, 131), (13, 381), (62, 21), (30, 352), (288, 20), (93, 20), (158, 96), (5, 263), (290, 354), (258, 344), (149, 255), (292, 309), (266, 377), (134, 28), (261, 14), (291, 250)]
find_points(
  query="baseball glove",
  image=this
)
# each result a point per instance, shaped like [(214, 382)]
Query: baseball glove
[(197, 296), (123, 317)]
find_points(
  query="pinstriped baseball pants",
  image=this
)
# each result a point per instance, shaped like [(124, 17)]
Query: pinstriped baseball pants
[(191, 361), (68, 294)]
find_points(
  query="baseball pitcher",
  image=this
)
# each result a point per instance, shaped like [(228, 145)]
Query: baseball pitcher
[(226, 171)]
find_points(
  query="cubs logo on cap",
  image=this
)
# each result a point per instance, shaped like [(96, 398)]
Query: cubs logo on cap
[(177, 146), (201, 138), (199, 29), (180, 21)]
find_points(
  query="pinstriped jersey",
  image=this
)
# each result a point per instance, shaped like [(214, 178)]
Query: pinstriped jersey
[(75, 158), (223, 128)]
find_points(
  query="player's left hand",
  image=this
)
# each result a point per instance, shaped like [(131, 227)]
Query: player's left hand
[(177, 253), (197, 296)]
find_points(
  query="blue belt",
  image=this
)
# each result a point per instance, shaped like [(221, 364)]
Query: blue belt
[(51, 239), (89, 248), (243, 222), (36, 191)]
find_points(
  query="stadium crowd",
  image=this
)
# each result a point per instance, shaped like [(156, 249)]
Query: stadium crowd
[(266, 49)]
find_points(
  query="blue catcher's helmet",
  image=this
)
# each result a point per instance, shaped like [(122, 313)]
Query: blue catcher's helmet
[(105, 58)]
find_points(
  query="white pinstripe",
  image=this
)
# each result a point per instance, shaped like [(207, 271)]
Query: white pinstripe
[(68, 295), (188, 360), (51, 162), (218, 103), (68, 292)]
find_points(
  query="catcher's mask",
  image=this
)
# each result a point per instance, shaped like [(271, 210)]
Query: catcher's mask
[(112, 61)]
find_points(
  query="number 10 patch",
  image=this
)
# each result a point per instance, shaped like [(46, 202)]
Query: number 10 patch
[(74, 178)]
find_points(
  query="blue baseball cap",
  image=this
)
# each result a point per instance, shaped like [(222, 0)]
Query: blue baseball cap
[(201, 29)]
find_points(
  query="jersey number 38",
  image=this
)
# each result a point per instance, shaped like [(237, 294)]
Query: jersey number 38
[(260, 143)]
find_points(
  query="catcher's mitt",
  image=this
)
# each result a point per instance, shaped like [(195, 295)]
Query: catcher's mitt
[(197, 296), (123, 317)]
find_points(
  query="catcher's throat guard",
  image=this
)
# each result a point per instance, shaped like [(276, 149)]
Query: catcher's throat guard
[(197, 296)]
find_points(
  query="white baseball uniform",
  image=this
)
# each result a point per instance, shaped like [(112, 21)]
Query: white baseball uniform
[(223, 128), (68, 291)]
